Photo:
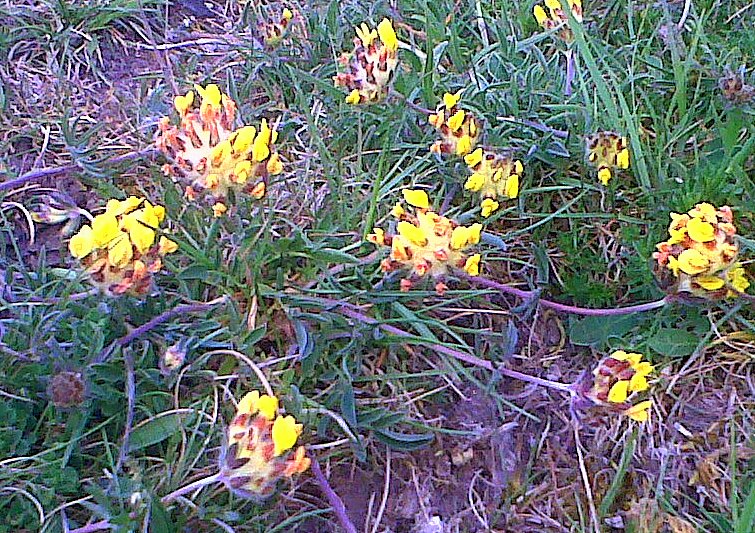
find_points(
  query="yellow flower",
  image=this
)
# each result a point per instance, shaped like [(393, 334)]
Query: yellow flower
[(285, 433), (268, 406), (450, 100), (622, 158), (604, 175), (475, 231), (472, 265), (412, 233), (397, 211), (511, 189), (183, 102), (456, 120), (464, 145), (638, 383), (120, 251), (640, 411), (474, 158), (387, 34), (244, 138), (287, 14), (248, 404), (540, 14), (738, 279), (105, 228), (692, 262), (475, 182), (489, 206), (210, 94), (459, 237), (274, 165), (82, 243), (365, 34), (619, 392), (700, 231), (354, 97), (710, 283), (167, 246), (416, 198)]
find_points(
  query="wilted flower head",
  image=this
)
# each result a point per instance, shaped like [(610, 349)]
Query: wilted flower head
[(212, 157), (617, 381), (273, 32), (120, 249), (368, 70), (260, 441), (555, 17), (173, 357), (734, 88), (67, 389), (701, 253), (426, 242), (493, 176), (460, 129), (607, 151)]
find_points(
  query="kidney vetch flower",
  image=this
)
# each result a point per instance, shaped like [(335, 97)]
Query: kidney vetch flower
[(459, 129), (618, 380), (493, 176), (607, 151), (120, 249), (426, 242), (701, 253), (208, 155), (556, 18), (368, 70), (260, 444)]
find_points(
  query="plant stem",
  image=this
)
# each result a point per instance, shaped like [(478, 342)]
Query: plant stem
[(94, 526), (572, 309), (191, 487), (350, 312), (335, 501), (35, 175), (159, 319)]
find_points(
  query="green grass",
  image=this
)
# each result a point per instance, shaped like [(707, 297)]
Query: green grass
[(282, 262)]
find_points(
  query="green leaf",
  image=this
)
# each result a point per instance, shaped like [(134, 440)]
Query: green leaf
[(673, 342), (155, 431), (596, 330), (404, 441)]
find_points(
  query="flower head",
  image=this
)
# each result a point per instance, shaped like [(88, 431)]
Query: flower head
[(261, 445), (425, 242), (274, 31), (459, 129), (618, 380), (209, 155), (555, 17), (367, 71), (493, 176), (701, 252), (120, 250), (607, 151)]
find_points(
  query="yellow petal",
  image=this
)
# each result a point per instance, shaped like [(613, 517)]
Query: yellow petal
[(82, 243), (105, 228), (244, 139), (512, 186), (120, 251), (219, 209), (475, 231), (388, 34), (274, 165), (638, 383), (472, 265), (248, 404), (464, 145), (474, 158), (456, 120), (397, 211), (489, 206), (622, 159), (710, 283), (700, 231), (459, 237), (287, 14), (553, 4), (475, 182), (692, 262), (540, 14), (183, 103), (604, 175), (268, 406), (285, 433), (450, 100), (210, 94), (416, 198), (354, 97), (518, 167), (639, 412), (619, 392)]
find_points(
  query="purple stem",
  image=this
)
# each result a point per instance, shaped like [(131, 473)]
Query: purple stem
[(191, 487), (569, 72), (456, 354), (159, 319), (335, 501), (54, 171), (573, 309), (94, 526)]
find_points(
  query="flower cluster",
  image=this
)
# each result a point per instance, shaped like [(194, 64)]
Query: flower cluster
[(460, 129), (427, 242), (607, 151), (260, 441), (120, 250), (556, 18), (212, 157), (616, 381), (368, 70), (701, 253), (734, 88), (273, 32), (493, 176)]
